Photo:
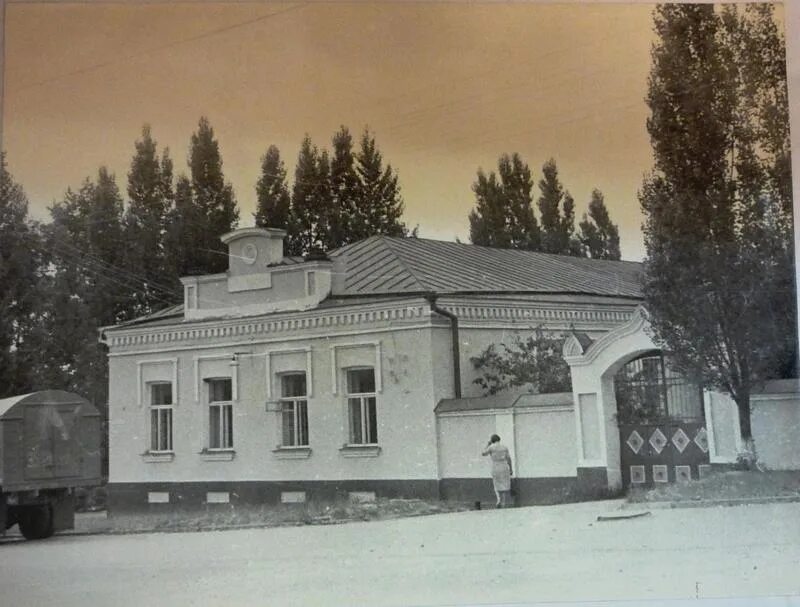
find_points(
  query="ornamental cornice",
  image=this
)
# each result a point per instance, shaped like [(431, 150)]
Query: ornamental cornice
[(254, 327), (471, 314), (551, 315)]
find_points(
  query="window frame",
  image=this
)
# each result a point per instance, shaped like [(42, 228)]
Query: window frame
[(296, 402), (364, 410), (161, 409), (222, 406)]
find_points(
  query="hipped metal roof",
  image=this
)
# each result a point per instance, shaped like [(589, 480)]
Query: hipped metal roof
[(384, 265)]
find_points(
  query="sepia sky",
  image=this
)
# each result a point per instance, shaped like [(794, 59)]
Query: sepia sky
[(446, 88)]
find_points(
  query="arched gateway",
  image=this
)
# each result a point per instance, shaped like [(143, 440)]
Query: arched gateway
[(637, 420)]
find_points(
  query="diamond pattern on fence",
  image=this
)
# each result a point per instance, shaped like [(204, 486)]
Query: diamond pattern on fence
[(635, 441), (680, 440), (701, 440), (658, 441)]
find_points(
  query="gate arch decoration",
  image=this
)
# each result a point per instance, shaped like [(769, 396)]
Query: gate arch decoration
[(662, 428)]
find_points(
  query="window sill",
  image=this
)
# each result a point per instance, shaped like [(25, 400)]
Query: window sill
[(217, 455), (158, 457), (292, 452), (360, 451)]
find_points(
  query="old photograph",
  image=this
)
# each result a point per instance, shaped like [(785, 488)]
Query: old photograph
[(397, 303)]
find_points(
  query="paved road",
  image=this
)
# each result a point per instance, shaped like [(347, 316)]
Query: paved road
[(522, 555)]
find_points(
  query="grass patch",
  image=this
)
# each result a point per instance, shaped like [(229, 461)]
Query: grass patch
[(730, 485)]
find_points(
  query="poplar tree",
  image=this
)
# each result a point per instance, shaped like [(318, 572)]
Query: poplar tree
[(719, 282), (380, 204), (272, 192), (557, 214), (345, 220), (599, 236), (183, 225), (150, 196), (503, 215), (487, 221), (213, 196), (310, 195)]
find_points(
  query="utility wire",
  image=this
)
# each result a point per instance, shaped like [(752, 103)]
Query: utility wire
[(150, 51), (76, 253), (107, 275), (107, 272), (116, 274)]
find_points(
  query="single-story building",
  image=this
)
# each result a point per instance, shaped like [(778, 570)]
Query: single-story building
[(285, 379)]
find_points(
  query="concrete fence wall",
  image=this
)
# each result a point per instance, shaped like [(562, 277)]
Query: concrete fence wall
[(775, 423), (538, 430), (775, 418)]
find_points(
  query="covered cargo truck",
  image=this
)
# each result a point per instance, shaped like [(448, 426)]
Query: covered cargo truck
[(49, 445)]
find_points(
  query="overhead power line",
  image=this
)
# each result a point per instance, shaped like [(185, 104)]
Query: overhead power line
[(163, 47)]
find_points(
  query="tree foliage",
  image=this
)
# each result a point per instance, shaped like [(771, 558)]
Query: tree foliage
[(343, 198), (718, 225), (345, 215), (19, 269), (599, 236), (503, 216), (380, 204), (216, 212), (184, 223), (272, 192), (86, 287), (311, 200), (557, 209), (150, 200), (534, 361)]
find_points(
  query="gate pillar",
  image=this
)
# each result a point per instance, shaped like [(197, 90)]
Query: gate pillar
[(593, 365)]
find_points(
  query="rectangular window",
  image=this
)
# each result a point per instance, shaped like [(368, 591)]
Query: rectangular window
[(361, 405), (160, 417), (220, 414), (294, 410), (311, 283)]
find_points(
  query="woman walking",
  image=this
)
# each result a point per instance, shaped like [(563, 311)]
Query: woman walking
[(501, 470)]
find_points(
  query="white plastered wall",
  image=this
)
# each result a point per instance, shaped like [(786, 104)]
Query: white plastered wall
[(775, 422), (539, 439), (407, 429)]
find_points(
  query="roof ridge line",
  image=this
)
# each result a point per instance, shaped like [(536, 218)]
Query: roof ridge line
[(509, 249), (388, 241)]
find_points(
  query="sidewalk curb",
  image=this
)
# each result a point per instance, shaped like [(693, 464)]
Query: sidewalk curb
[(108, 527), (622, 517), (745, 501)]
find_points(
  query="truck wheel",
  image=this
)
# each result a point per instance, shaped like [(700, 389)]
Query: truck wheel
[(36, 522)]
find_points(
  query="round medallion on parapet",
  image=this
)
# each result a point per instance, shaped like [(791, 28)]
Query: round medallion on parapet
[(249, 253)]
